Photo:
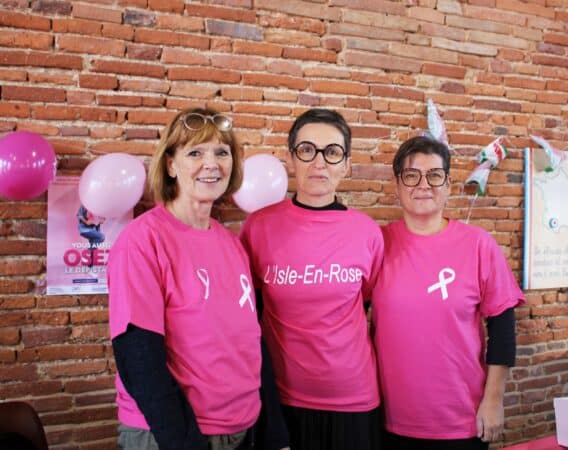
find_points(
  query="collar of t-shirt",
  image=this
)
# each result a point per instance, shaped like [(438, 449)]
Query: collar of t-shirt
[(333, 206)]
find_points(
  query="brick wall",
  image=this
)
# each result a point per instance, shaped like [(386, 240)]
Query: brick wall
[(105, 76)]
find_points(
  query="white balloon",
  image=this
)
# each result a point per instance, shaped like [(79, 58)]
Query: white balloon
[(265, 182), (112, 184)]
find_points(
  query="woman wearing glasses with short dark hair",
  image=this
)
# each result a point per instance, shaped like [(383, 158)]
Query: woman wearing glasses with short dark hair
[(440, 278), (315, 263), (183, 318)]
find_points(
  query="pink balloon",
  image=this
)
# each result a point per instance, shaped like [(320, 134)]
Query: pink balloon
[(264, 182), (112, 184), (27, 165)]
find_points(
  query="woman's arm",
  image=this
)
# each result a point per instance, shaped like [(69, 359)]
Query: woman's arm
[(141, 363), (501, 350)]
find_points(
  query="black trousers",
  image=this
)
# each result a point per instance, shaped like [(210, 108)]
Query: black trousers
[(393, 441), (312, 429)]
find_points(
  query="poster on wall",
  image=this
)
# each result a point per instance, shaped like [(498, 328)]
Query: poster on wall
[(546, 222), (78, 241)]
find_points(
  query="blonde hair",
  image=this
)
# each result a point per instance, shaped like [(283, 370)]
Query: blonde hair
[(176, 135)]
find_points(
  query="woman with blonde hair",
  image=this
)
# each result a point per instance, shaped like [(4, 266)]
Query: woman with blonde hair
[(182, 310)]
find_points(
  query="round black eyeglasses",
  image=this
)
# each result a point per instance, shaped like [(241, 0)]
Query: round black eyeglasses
[(307, 151), (434, 177), (196, 121)]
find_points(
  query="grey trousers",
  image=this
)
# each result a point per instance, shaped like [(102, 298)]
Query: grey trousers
[(130, 438)]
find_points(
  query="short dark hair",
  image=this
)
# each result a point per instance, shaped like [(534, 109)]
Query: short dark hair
[(320, 115), (420, 144)]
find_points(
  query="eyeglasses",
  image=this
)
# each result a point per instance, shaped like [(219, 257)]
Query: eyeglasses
[(307, 151), (412, 177), (196, 121)]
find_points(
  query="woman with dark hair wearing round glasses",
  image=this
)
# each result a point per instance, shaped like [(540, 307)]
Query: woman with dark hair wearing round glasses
[(439, 279), (315, 263), (183, 318)]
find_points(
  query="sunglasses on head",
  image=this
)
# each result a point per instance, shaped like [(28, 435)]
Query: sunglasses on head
[(196, 121)]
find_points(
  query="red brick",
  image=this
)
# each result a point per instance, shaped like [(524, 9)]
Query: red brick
[(525, 8), (90, 333), (89, 385), (557, 85), (257, 48), (128, 68), (78, 26), (373, 5), (238, 93), (37, 59), (13, 75), (274, 80), (149, 117), (141, 133), (52, 7), (555, 38), (300, 8), (444, 70), (339, 87), (117, 31), (19, 373), (552, 97), (235, 62), (397, 92), (452, 88), (139, 18), (374, 33), (15, 286), (26, 21), (219, 12), (497, 105), (74, 131), (525, 83), (61, 352), (309, 54), (159, 86), (144, 52), (134, 148), (51, 78), (21, 266), (184, 57), (12, 109), (119, 100), (160, 37), (173, 6), (87, 44), (33, 94), (26, 39), (234, 29), (17, 302), (384, 62), (98, 81), (9, 336), (550, 60), (292, 23), (284, 67), (181, 23), (252, 108), (86, 11), (204, 74), (47, 336)]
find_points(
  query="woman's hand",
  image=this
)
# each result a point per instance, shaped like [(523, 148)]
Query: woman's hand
[(490, 420), (490, 414)]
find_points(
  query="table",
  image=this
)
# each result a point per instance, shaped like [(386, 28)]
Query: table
[(547, 443)]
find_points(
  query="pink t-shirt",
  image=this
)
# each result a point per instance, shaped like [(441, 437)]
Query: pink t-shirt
[(315, 269), (428, 304), (193, 287)]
